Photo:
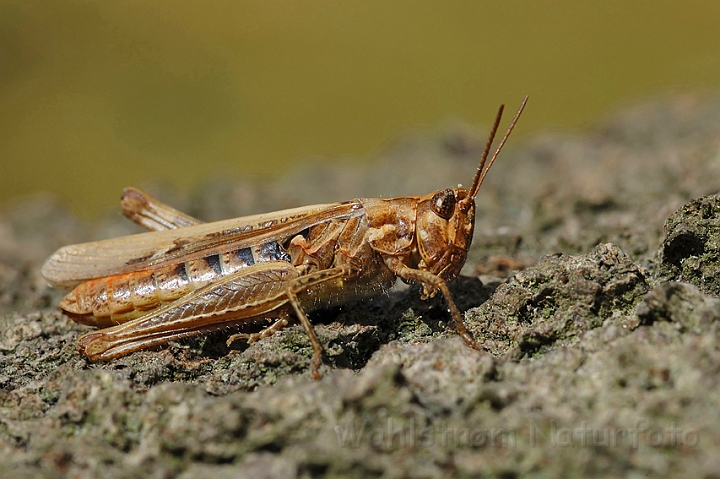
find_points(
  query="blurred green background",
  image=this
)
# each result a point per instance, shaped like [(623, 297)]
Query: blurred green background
[(98, 95)]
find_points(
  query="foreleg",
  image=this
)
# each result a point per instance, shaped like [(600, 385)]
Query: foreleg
[(432, 283)]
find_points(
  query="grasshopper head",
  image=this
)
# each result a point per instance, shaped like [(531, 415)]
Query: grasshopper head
[(444, 229), (446, 219)]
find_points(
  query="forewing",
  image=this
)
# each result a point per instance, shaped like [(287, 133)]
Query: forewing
[(74, 264)]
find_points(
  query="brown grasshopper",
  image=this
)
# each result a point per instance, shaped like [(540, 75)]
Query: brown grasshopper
[(186, 277)]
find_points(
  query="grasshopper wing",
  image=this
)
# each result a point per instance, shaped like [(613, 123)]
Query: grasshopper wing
[(74, 264)]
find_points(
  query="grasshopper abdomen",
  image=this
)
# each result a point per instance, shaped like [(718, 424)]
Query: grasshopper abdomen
[(120, 298)]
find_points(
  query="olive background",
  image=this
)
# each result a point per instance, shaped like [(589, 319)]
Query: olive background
[(96, 95)]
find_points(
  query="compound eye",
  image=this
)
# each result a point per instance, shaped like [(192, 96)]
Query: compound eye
[(443, 203)]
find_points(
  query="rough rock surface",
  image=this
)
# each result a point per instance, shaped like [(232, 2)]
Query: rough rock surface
[(691, 249), (593, 289)]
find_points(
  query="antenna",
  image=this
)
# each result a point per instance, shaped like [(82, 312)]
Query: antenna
[(482, 171)]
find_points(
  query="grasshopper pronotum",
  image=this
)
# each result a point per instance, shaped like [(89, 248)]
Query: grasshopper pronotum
[(186, 277)]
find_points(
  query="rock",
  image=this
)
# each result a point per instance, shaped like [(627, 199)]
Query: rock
[(557, 300), (691, 248), (600, 337)]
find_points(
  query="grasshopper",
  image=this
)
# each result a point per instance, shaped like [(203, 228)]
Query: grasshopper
[(186, 277)]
